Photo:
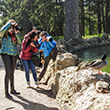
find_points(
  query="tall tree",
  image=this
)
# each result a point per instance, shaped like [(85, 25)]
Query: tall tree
[(99, 16), (90, 27), (107, 16), (32, 13), (103, 17), (82, 16), (71, 19)]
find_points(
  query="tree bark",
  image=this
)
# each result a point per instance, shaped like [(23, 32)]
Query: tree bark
[(107, 18), (102, 2), (71, 19), (90, 26), (99, 16), (82, 16), (32, 13)]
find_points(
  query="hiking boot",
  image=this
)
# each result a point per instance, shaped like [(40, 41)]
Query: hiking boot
[(28, 85), (54, 60), (36, 85), (14, 92), (7, 95)]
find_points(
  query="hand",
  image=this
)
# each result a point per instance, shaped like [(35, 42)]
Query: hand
[(32, 44), (16, 31), (47, 40), (13, 23), (43, 39)]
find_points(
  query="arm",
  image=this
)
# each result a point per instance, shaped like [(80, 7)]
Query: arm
[(51, 44), (5, 28), (25, 48), (35, 50), (52, 40), (18, 38), (40, 40)]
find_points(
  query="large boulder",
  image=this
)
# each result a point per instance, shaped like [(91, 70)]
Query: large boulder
[(63, 46), (67, 59), (94, 40), (79, 90), (78, 87), (62, 61)]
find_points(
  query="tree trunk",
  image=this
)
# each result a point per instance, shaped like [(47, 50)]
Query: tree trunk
[(32, 13), (71, 19), (99, 16), (90, 29), (103, 15), (107, 18), (82, 16), (46, 17)]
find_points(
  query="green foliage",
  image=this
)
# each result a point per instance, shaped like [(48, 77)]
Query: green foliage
[(57, 38), (47, 15), (90, 36)]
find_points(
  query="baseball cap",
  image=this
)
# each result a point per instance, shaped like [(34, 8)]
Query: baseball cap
[(34, 27)]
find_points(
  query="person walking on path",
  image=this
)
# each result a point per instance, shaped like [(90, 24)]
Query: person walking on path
[(49, 50), (28, 49), (10, 39)]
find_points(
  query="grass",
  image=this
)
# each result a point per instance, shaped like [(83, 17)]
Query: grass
[(90, 36), (84, 37)]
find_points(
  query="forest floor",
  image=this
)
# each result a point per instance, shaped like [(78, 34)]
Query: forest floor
[(41, 98)]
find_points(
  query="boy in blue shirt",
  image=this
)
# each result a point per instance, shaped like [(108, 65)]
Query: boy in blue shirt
[(48, 47)]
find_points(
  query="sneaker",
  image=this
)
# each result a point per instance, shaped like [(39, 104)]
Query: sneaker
[(28, 85), (38, 80), (36, 85)]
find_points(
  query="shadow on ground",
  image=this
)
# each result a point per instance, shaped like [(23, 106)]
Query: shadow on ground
[(29, 105), (46, 92)]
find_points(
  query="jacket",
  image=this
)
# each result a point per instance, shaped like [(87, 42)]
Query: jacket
[(27, 51), (8, 47), (46, 48)]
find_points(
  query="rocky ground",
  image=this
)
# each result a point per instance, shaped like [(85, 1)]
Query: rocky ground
[(29, 99)]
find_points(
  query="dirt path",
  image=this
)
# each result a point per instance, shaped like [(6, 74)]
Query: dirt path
[(30, 99)]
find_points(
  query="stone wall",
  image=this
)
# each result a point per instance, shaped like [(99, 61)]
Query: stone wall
[(77, 43)]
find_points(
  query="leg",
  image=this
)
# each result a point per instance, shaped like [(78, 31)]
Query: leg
[(13, 60), (46, 62), (26, 68), (32, 67), (54, 53), (99, 72), (7, 64)]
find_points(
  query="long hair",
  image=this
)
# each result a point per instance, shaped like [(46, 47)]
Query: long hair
[(32, 35)]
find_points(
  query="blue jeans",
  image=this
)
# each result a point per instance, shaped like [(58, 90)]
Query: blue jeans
[(28, 64)]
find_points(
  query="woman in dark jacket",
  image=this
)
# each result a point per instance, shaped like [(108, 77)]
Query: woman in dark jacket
[(28, 49)]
